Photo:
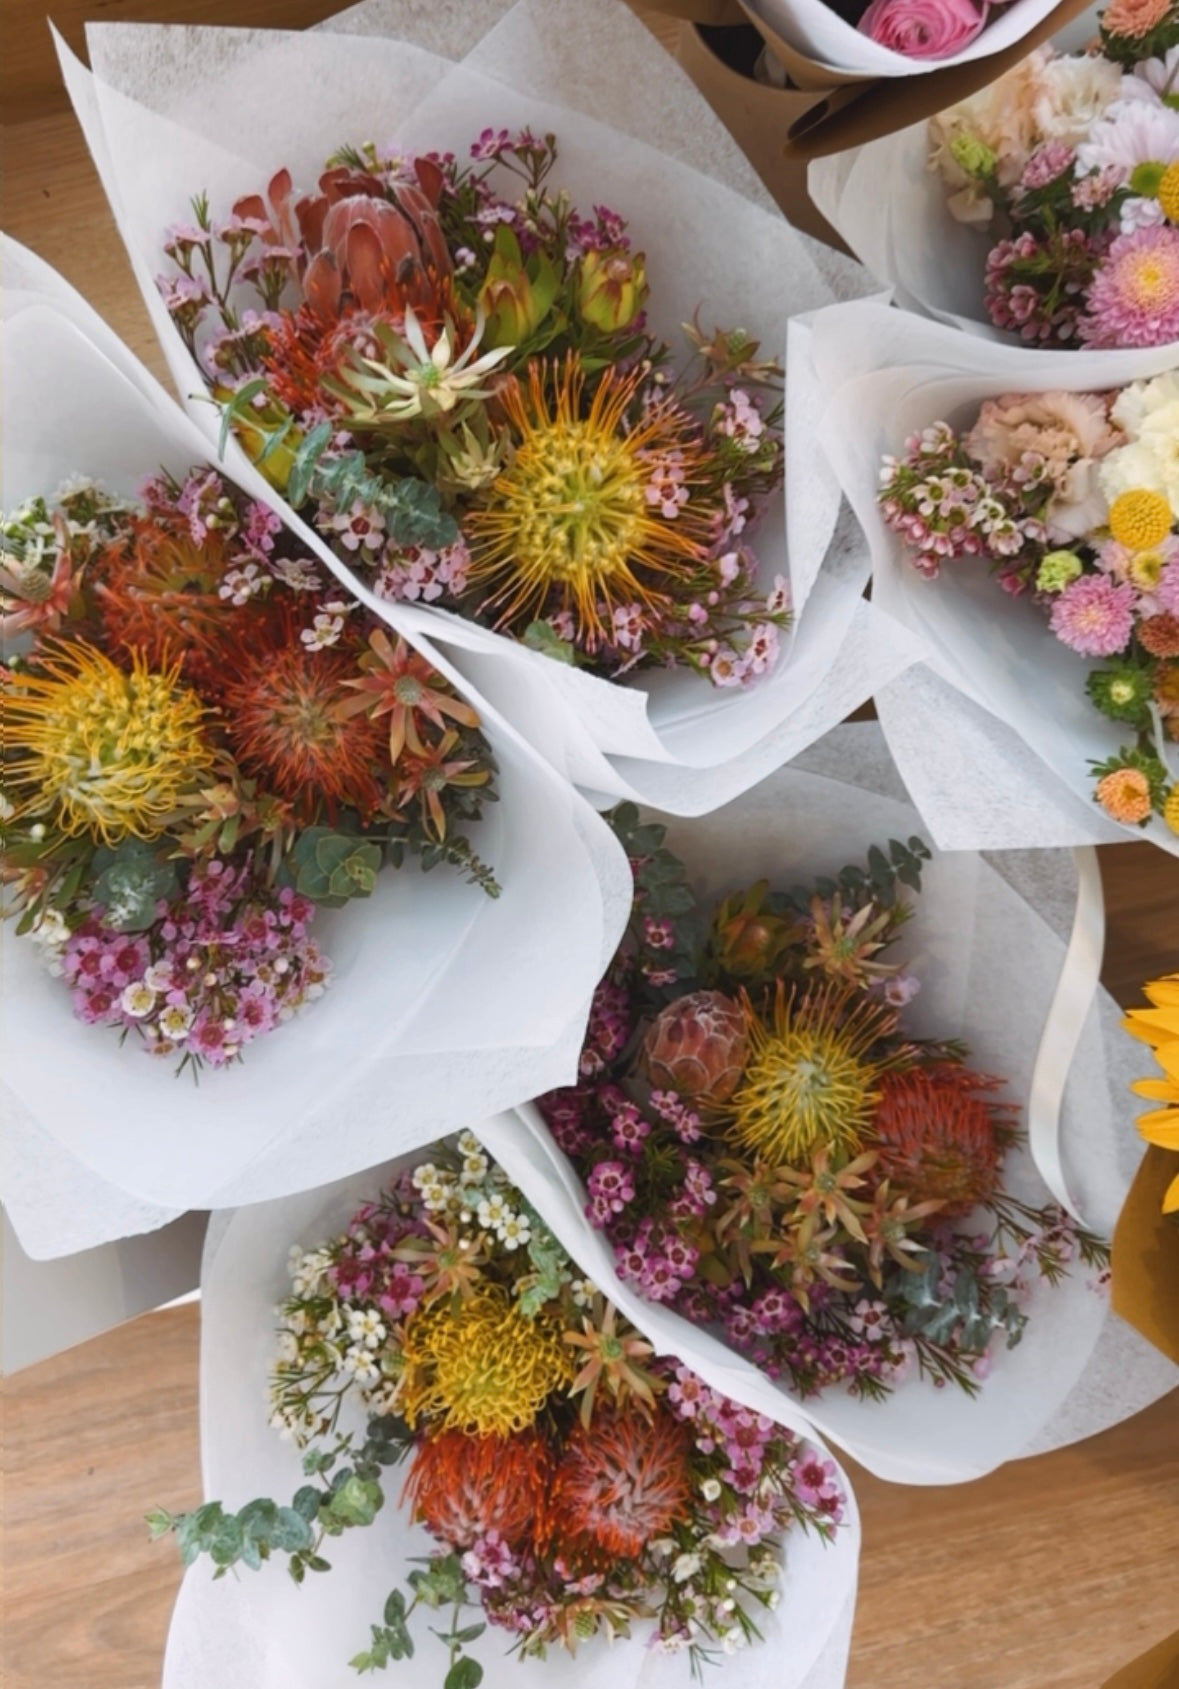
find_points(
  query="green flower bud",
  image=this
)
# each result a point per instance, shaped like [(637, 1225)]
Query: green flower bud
[(612, 290), (1058, 569), (973, 155), (1123, 692), (515, 297)]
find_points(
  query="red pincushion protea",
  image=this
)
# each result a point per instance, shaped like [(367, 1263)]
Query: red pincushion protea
[(157, 593), (462, 1487), (698, 1047), (282, 715), (937, 1135), (620, 1482)]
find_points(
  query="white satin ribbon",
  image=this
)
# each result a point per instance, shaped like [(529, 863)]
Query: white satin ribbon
[(1075, 991)]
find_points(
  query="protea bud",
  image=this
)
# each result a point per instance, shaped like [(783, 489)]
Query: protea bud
[(516, 296), (612, 289), (749, 941), (698, 1047)]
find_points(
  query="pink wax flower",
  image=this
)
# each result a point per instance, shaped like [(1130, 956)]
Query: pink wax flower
[(923, 29)]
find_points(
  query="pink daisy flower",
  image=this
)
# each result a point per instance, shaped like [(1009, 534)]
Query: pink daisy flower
[(1134, 297), (1094, 616)]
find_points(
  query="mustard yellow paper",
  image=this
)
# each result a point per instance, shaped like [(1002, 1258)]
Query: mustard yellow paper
[(1157, 1669)]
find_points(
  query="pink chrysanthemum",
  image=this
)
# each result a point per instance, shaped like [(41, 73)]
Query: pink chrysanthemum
[(1134, 297), (1094, 616)]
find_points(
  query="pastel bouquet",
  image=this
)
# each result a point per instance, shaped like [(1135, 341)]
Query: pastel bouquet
[(203, 743), (1073, 160), (1043, 209), (1062, 681), (440, 303), (564, 1484), (464, 400), (221, 774), (769, 1152), (846, 1198), (1071, 498)]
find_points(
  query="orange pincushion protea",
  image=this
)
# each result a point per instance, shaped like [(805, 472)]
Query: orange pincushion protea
[(935, 1134), (620, 1482), (461, 1487), (282, 720)]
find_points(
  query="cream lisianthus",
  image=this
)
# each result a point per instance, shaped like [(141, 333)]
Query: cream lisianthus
[(1071, 94)]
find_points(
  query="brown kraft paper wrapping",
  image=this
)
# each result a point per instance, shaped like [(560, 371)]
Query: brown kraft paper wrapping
[(1158, 1668), (827, 110), (1146, 1269)]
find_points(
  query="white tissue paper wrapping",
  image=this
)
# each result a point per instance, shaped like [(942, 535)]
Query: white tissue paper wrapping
[(994, 732), (814, 29), (444, 1002), (171, 111), (987, 940), (260, 1631)]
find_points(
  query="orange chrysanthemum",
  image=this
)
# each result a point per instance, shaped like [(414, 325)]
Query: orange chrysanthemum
[(461, 1486), (620, 1482), (935, 1135), (1166, 691), (1160, 635), (1125, 796), (282, 720)]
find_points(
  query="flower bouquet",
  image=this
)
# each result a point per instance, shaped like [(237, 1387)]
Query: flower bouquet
[(565, 1485), (829, 1173), (1056, 691), (211, 752), (1046, 207), (899, 38), (422, 338)]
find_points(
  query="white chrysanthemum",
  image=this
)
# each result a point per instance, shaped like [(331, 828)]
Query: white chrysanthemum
[(1153, 78), (1132, 132)]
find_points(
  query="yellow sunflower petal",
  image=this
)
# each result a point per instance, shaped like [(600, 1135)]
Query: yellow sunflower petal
[(1171, 1200), (1164, 993), (1158, 1090), (1161, 1127)]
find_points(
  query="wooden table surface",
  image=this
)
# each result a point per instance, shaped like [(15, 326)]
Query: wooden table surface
[(1047, 1575)]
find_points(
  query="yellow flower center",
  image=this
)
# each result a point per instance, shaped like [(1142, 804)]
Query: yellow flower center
[(107, 753), (1169, 192), (1140, 519), (1171, 809), (481, 1367)]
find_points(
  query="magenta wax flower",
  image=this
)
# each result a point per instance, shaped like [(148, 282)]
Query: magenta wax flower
[(923, 29)]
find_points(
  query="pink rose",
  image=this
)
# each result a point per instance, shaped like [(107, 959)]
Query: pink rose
[(923, 29)]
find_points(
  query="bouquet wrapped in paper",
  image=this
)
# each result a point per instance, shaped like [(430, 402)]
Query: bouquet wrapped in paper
[(824, 1123), (222, 779), (524, 397), (1052, 698), (444, 1413), (1039, 210)]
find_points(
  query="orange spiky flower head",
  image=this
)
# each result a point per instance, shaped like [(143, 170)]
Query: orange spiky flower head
[(620, 1482), (935, 1135), (461, 1487)]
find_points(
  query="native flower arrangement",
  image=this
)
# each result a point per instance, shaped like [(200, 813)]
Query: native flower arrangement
[(445, 368), (203, 743), (1158, 1027), (1071, 164), (575, 1483), (768, 1152), (1073, 498)]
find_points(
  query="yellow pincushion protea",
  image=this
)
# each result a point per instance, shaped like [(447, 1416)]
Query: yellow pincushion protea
[(569, 514), (100, 750), (810, 1080), (1158, 1026), (480, 1366)]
